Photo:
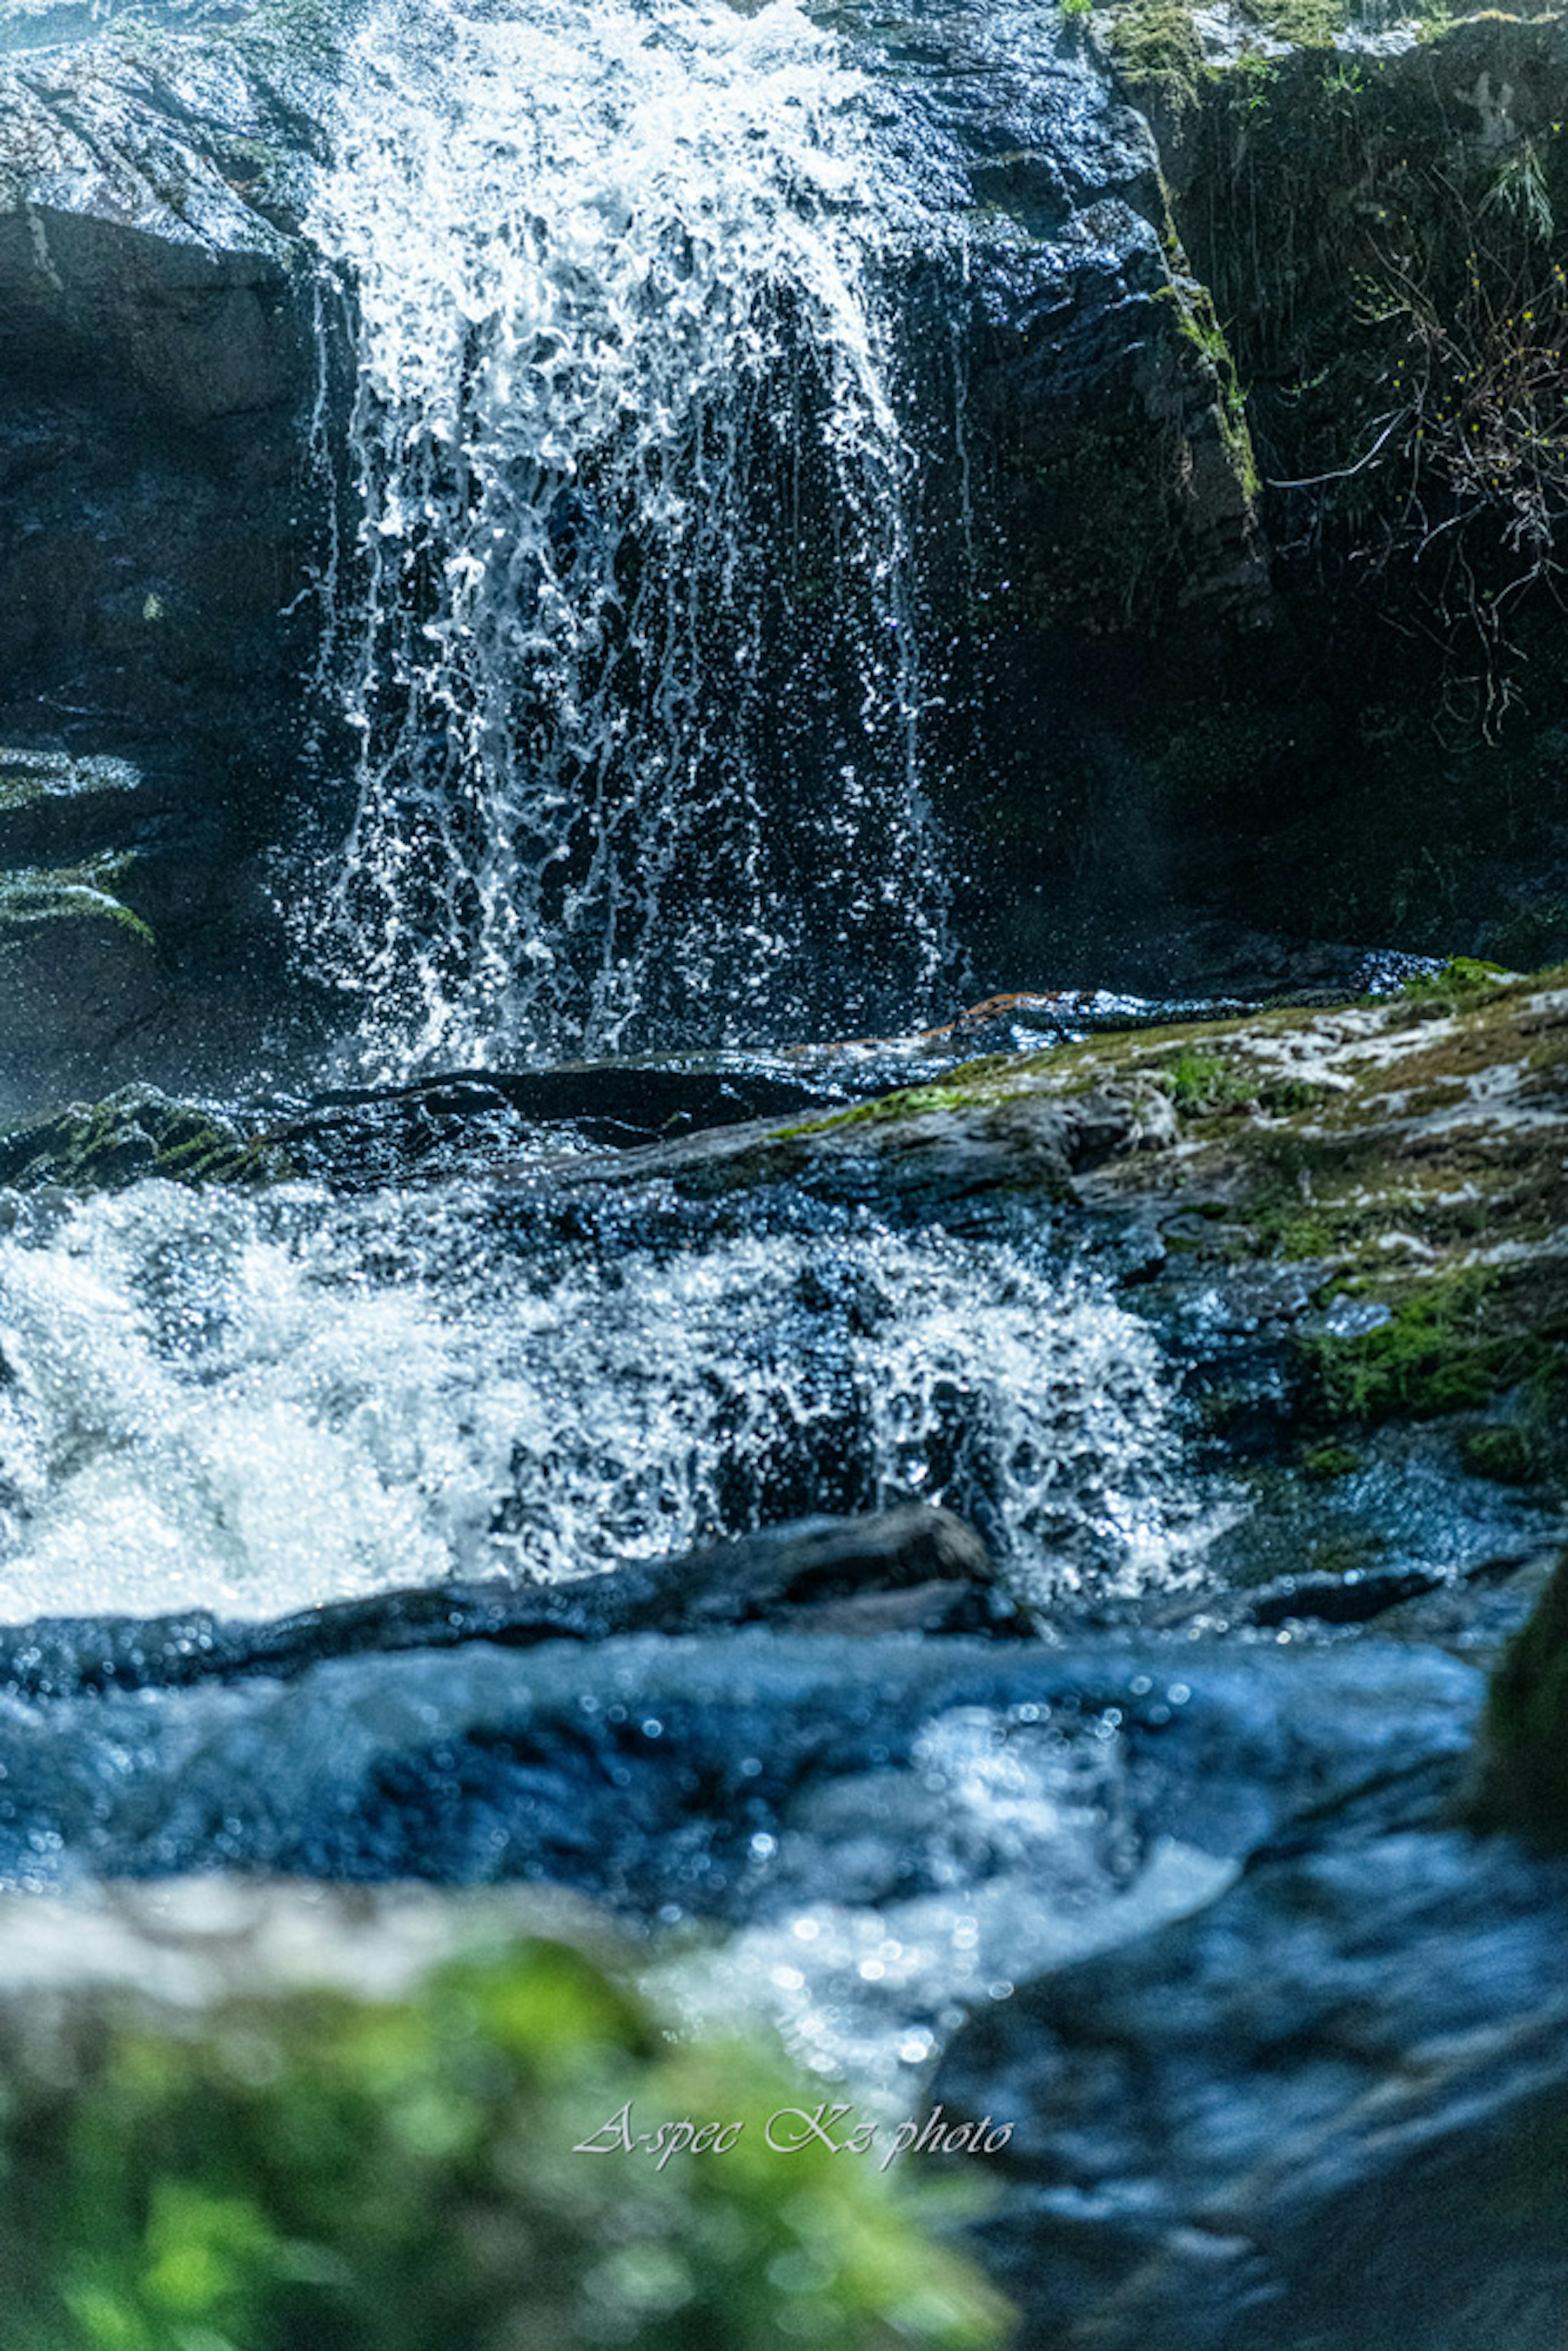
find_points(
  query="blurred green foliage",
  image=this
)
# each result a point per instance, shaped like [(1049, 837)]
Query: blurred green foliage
[(327, 2171)]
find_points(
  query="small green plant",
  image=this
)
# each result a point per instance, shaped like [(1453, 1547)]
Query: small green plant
[(1202, 1082), (1324, 1462), (1249, 84), (1521, 188), (1461, 976), (1344, 78), (1077, 11)]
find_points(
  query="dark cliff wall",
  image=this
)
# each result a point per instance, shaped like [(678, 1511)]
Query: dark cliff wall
[(156, 537)]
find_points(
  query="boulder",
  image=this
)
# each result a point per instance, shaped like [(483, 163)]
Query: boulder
[(1329, 2113)]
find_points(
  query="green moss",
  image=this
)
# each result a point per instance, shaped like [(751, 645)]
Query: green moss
[(1156, 47), (1203, 1081), (1199, 326), (391, 2176), (1460, 981), (969, 1087), (137, 1132), (31, 900), (1308, 24), (1524, 1781), (1450, 1342)]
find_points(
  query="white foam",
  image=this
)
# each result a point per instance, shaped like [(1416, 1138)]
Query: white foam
[(257, 1403)]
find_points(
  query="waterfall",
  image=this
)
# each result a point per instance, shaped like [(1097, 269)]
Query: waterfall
[(622, 629)]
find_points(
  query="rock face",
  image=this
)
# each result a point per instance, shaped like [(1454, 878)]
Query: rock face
[(159, 361), (1119, 480), (1372, 216), (1330, 2111)]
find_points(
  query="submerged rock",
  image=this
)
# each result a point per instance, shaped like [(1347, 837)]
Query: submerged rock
[(642, 1767)]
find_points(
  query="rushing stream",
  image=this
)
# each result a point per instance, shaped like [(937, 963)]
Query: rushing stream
[(625, 625), (254, 1407)]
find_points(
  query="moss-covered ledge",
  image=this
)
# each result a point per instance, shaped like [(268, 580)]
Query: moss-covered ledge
[(1402, 1158), (134, 1133)]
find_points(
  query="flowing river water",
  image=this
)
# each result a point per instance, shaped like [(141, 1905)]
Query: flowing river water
[(623, 624)]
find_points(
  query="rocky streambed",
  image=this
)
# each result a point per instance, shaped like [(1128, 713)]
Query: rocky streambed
[(1148, 1817), (664, 1685)]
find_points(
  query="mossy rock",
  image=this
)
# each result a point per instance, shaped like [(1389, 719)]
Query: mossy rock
[(1407, 1154), (136, 1133), (1525, 1783)]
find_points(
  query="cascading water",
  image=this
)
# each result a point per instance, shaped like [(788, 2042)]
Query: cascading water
[(624, 628), (620, 620), (253, 1407)]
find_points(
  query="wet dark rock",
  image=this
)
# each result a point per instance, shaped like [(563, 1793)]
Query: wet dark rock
[(954, 1141), (467, 1124), (1118, 483), (80, 973), (911, 1570), (1329, 2112), (471, 1123), (1353, 1598), (156, 341), (1524, 1776)]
